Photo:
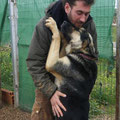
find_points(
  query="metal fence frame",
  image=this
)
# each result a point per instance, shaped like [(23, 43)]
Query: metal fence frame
[(14, 44)]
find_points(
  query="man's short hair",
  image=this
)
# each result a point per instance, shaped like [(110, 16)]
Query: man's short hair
[(72, 2)]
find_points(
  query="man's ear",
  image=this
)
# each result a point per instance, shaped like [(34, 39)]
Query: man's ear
[(67, 8)]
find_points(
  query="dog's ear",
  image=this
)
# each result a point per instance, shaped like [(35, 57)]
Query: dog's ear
[(87, 41), (66, 30), (84, 35), (91, 47)]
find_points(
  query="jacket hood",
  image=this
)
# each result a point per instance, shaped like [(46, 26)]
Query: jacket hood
[(56, 10)]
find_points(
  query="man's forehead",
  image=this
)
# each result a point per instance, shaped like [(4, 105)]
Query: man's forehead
[(82, 2), (80, 6)]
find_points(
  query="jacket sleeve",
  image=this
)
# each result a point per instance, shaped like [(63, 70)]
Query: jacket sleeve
[(36, 60)]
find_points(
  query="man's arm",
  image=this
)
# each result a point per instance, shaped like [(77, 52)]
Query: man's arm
[(36, 60)]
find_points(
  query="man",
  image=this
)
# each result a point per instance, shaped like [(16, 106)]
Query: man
[(78, 13)]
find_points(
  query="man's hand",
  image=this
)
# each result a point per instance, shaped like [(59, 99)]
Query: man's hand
[(56, 104)]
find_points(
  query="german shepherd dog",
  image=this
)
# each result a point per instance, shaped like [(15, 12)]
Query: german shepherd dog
[(76, 71)]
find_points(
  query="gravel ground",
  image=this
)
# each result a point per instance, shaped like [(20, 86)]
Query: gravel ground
[(11, 113), (104, 117)]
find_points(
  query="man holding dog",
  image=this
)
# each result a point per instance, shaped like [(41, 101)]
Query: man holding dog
[(47, 101)]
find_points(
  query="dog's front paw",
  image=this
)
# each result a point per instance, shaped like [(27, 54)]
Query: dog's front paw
[(50, 23)]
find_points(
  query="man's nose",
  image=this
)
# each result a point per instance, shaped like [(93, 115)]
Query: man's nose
[(83, 18)]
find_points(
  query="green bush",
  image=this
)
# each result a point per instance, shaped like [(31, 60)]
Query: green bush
[(6, 68)]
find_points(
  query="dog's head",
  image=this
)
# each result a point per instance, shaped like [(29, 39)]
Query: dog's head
[(79, 40)]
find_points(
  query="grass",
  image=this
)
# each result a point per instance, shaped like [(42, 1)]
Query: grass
[(103, 95)]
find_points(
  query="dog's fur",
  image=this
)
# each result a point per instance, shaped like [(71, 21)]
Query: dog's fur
[(76, 71)]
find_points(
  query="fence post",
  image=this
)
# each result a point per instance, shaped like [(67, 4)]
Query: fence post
[(0, 89), (14, 44), (118, 64)]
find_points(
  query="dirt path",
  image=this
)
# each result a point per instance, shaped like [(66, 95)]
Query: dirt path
[(11, 113)]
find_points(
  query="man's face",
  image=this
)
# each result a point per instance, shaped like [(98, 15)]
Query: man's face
[(78, 13)]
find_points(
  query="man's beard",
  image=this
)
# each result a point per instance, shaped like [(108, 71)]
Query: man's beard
[(78, 24)]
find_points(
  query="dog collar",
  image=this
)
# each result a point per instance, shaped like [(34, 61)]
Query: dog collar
[(87, 57)]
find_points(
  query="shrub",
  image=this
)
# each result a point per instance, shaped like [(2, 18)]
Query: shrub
[(6, 68)]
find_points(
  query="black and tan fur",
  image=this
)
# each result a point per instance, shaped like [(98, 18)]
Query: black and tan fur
[(76, 71)]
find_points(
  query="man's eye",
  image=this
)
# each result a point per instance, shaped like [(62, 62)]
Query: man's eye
[(86, 14), (79, 13)]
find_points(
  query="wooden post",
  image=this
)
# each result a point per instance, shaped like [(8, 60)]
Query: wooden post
[(0, 90), (118, 65)]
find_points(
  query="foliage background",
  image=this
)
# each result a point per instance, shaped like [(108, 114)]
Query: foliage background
[(6, 68)]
